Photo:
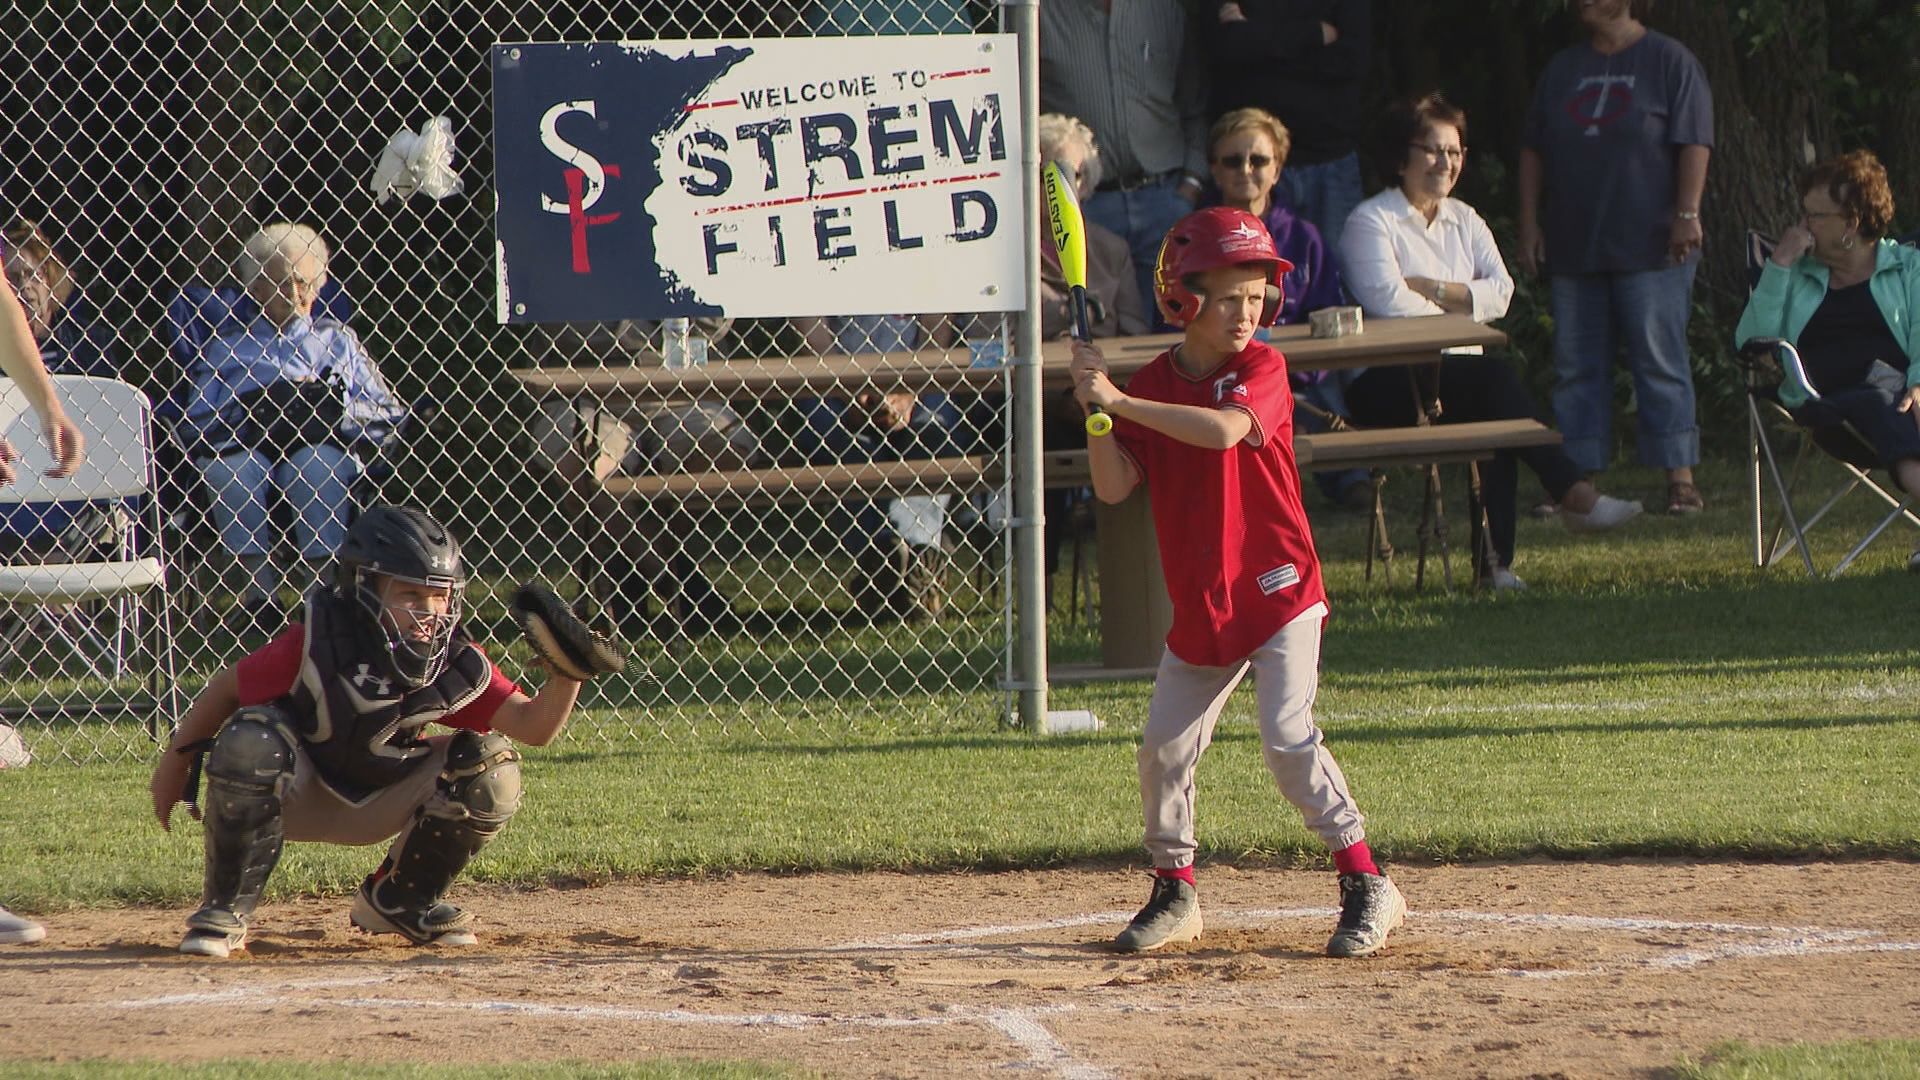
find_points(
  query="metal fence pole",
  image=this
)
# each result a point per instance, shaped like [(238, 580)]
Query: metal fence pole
[(1029, 520)]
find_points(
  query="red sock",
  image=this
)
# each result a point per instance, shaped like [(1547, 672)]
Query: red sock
[(1184, 873), (1357, 859)]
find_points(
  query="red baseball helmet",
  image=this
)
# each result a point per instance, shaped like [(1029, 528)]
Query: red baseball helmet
[(1207, 240)]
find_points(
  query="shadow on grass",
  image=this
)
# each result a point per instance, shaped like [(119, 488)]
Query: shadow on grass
[(1363, 731), (1781, 625)]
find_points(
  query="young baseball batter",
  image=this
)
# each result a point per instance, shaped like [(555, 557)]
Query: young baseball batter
[(319, 736), (1209, 424)]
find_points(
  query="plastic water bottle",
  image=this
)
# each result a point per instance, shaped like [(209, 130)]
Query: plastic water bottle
[(681, 347), (673, 342)]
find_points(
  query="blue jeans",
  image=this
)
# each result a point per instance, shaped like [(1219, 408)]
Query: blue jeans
[(1647, 312), (313, 481), (1324, 194), (1143, 217)]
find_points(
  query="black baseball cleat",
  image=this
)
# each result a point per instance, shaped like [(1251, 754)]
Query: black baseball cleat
[(442, 924), (1172, 915), (214, 932), (1370, 907)]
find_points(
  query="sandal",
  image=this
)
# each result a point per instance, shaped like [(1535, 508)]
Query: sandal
[(1684, 498)]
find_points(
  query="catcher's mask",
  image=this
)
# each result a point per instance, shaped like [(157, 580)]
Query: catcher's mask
[(403, 544)]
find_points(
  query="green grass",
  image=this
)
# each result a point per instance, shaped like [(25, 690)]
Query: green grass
[(289, 1070), (1876, 1060), (1650, 694)]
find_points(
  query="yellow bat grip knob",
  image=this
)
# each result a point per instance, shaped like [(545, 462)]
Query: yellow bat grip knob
[(1099, 423)]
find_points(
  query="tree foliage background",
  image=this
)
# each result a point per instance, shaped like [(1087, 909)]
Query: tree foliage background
[(155, 134)]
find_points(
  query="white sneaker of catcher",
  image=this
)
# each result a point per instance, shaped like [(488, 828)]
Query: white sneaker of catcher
[(15, 930)]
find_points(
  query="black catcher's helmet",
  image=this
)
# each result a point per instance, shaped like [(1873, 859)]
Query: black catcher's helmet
[(401, 542)]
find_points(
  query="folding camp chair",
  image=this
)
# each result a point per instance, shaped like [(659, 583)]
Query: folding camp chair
[(99, 599), (1765, 362)]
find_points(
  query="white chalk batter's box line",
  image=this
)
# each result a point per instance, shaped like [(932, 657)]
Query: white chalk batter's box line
[(1775, 940), (1021, 1026), (1024, 1026)]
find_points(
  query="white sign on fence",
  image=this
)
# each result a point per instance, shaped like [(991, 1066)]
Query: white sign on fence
[(858, 175)]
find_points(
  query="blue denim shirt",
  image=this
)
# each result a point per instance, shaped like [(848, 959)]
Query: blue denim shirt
[(262, 354)]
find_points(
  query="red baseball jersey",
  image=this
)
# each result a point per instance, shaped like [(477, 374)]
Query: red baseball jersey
[(1235, 546)]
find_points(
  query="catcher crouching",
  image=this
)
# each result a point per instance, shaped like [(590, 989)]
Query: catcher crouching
[(320, 736)]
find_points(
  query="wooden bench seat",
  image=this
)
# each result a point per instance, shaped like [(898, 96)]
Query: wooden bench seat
[(762, 486)]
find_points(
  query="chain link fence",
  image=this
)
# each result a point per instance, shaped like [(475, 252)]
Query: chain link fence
[(790, 557)]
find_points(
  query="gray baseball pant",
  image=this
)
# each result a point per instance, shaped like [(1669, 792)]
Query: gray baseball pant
[(1187, 701)]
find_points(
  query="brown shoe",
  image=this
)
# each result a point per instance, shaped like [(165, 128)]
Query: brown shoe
[(1684, 498)]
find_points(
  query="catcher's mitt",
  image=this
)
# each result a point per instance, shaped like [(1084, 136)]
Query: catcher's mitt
[(570, 649)]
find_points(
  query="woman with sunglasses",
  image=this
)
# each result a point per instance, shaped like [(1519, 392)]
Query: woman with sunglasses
[(1415, 250), (1247, 150)]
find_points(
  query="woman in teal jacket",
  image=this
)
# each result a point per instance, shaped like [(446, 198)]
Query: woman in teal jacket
[(1849, 301)]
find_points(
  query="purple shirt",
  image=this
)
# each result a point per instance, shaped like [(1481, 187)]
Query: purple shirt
[(1314, 281)]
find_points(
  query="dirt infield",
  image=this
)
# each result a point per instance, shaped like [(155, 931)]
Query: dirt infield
[(1557, 969)]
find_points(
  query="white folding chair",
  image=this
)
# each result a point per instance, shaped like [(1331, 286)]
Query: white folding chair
[(54, 597)]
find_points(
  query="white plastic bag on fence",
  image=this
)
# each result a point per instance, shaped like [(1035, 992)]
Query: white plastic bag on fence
[(420, 161), (13, 749)]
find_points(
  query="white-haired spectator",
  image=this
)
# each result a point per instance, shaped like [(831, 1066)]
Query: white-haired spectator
[(278, 411), (1113, 293)]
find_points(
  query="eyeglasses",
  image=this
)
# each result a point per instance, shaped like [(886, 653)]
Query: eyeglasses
[(300, 283), (1451, 153), (1236, 161)]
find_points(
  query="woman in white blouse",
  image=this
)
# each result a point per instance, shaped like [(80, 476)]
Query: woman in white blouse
[(1412, 250)]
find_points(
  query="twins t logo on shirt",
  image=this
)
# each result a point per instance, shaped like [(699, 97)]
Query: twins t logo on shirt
[(1228, 384), (1280, 577)]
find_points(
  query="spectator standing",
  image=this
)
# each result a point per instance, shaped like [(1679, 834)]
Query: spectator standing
[(1131, 72), (1612, 170), (1305, 62)]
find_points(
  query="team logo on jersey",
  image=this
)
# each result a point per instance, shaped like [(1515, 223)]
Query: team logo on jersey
[(1280, 577), (1229, 385)]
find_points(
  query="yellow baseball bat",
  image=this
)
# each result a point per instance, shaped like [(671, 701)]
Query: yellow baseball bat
[(1070, 240)]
